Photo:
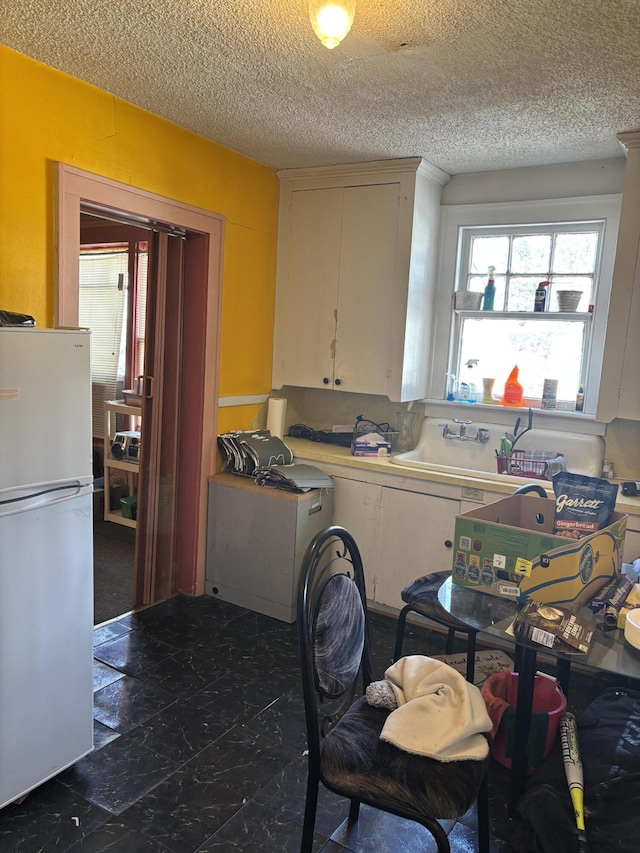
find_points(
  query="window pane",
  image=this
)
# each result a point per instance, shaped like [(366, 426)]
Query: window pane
[(543, 349), (568, 282), (575, 253), (478, 283), (531, 254), (522, 291), (489, 251)]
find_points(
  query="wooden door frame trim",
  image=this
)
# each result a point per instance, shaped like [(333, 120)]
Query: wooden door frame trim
[(76, 186)]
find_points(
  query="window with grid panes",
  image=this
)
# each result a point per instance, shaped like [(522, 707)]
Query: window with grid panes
[(527, 243), (552, 344)]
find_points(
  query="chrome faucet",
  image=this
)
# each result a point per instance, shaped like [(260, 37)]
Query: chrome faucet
[(481, 436)]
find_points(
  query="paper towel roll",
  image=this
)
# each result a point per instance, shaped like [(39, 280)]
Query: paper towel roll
[(276, 410)]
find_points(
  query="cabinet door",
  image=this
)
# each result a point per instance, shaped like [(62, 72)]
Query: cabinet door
[(307, 289), (415, 539), (356, 507), (368, 299)]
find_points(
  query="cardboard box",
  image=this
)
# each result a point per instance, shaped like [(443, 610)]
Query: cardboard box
[(508, 549)]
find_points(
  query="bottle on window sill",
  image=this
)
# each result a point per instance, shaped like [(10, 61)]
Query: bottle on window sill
[(513, 390), (467, 389), (540, 298), (489, 291), (580, 398)]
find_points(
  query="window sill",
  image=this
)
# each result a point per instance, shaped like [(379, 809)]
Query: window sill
[(576, 422), (564, 316)]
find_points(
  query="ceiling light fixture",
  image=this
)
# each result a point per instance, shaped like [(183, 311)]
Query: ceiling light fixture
[(331, 20)]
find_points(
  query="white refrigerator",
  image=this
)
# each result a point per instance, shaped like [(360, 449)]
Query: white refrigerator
[(46, 556)]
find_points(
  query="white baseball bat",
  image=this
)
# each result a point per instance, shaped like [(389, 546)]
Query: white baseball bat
[(573, 772)]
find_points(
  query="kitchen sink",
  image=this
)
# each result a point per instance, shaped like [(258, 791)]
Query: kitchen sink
[(584, 454)]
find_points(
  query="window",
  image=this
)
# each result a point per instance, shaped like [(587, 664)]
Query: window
[(117, 326), (571, 250)]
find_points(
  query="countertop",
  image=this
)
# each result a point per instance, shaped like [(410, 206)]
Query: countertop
[(330, 454)]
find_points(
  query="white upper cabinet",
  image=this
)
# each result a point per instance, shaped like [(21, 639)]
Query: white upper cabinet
[(355, 280)]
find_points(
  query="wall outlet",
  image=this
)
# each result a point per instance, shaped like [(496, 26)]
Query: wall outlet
[(472, 494)]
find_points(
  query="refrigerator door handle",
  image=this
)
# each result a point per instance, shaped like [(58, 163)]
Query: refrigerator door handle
[(45, 497)]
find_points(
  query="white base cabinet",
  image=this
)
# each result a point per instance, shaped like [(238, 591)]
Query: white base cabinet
[(401, 534)]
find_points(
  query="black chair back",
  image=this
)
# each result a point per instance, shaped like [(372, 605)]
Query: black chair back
[(333, 631)]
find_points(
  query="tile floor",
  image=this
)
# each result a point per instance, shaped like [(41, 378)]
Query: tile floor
[(199, 736)]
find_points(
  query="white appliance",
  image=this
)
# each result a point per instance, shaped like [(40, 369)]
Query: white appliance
[(46, 556)]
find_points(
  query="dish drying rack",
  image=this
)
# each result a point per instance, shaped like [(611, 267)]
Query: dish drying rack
[(533, 464)]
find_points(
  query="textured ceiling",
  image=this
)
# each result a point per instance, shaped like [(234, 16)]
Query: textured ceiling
[(470, 85)]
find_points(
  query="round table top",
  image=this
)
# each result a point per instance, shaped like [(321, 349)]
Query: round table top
[(492, 615)]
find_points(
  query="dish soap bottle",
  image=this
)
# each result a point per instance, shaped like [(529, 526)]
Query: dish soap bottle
[(513, 392), (489, 291), (467, 390), (540, 300)]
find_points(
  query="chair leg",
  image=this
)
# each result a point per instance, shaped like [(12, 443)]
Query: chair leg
[(483, 816), (402, 618), (354, 812), (311, 805)]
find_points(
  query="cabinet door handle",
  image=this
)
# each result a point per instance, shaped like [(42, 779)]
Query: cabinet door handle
[(338, 382), (448, 543), (326, 380)]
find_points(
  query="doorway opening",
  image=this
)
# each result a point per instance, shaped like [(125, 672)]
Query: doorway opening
[(180, 377), (113, 278)]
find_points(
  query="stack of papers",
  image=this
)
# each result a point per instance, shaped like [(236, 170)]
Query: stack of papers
[(266, 458), (293, 478), (248, 450)]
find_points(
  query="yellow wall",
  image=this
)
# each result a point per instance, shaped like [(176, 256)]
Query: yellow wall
[(47, 116)]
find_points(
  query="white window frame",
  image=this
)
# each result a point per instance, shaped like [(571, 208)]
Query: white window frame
[(456, 217)]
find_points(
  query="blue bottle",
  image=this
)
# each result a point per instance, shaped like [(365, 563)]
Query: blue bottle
[(489, 291)]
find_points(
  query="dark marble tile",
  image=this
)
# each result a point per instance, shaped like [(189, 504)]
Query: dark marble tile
[(134, 652), (185, 674), (102, 735), (257, 625), (180, 731), (104, 633), (186, 622), (286, 794), (243, 760), (235, 697), (104, 674), (386, 833), (185, 810), (127, 703), (115, 776), (50, 818), (116, 837), (283, 720), (255, 829)]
